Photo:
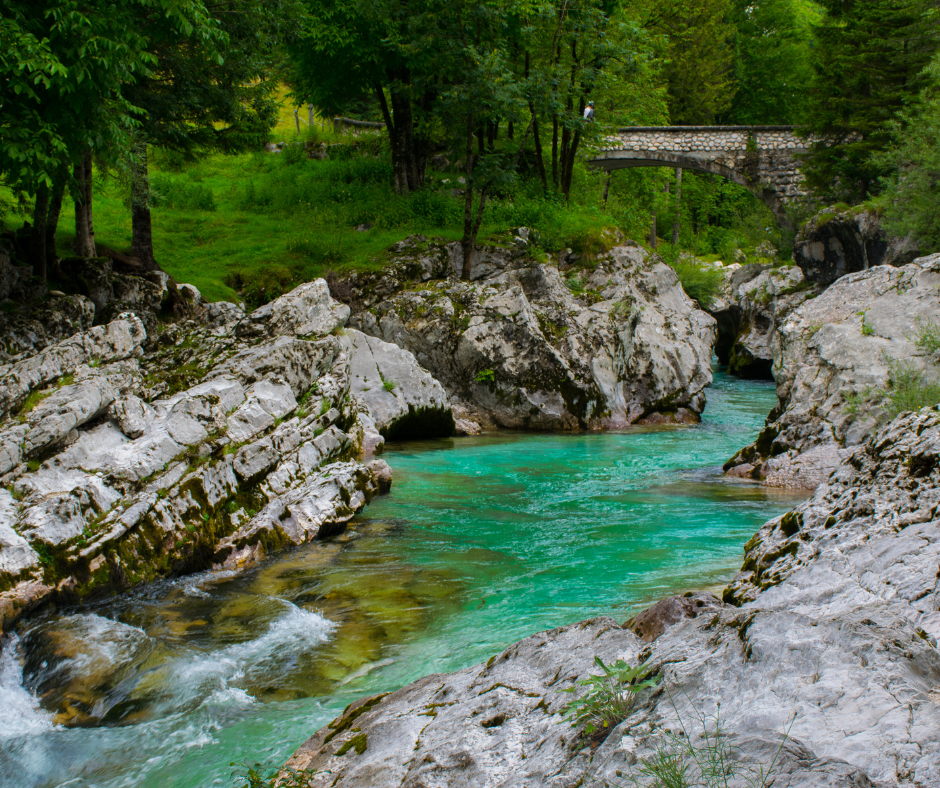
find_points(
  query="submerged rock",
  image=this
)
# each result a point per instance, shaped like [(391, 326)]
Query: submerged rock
[(832, 349), (519, 347), (237, 434), (827, 672)]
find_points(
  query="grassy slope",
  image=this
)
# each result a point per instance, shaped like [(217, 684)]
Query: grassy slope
[(265, 222)]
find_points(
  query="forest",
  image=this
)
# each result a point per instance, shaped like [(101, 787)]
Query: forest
[(147, 121)]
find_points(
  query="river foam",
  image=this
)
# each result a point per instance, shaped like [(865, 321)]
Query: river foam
[(20, 712)]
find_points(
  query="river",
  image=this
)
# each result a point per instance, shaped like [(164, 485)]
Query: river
[(482, 541)]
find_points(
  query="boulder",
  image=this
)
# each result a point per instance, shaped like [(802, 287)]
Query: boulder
[(833, 244), (232, 435), (307, 310), (522, 348), (754, 300), (403, 400), (828, 352), (824, 670)]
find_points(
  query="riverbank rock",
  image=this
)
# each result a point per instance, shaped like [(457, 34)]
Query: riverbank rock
[(833, 244), (520, 346), (829, 352), (234, 435), (825, 668), (402, 398), (754, 300)]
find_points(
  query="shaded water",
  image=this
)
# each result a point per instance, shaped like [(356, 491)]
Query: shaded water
[(482, 541)]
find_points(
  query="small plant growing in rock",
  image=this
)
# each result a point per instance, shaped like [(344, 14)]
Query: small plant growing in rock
[(389, 385), (256, 776), (708, 761), (485, 376), (927, 338), (867, 330), (610, 696)]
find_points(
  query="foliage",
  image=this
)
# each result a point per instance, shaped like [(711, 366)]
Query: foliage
[(927, 338), (773, 48), (256, 776), (485, 376), (709, 760), (701, 281), (64, 66), (912, 190), (698, 57), (871, 60), (610, 696), (909, 387), (388, 385)]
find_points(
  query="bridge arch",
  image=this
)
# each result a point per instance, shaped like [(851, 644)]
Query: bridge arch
[(764, 159)]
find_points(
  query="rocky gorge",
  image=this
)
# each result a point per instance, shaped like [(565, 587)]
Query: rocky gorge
[(819, 662), (133, 449)]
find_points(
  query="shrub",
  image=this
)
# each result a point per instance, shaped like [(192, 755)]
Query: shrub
[(701, 282), (610, 696), (908, 388), (927, 338)]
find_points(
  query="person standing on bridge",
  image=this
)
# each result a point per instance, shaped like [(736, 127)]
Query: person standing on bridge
[(589, 112)]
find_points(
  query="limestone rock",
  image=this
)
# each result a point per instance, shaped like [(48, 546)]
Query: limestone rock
[(754, 301), (519, 348), (403, 399), (834, 644), (216, 444), (833, 244), (307, 310), (655, 620), (117, 340), (832, 347)]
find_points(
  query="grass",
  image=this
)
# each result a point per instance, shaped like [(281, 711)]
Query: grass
[(253, 226)]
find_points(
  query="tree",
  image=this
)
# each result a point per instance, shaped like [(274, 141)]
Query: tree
[(872, 56), (772, 44), (912, 193), (696, 38), (210, 90), (393, 50), (62, 68)]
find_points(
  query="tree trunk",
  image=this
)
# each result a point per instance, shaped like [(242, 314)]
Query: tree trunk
[(606, 189), (572, 152), (37, 238), (677, 222), (510, 131), (555, 151), (539, 161), (141, 225), (409, 153), (84, 229), (52, 226), (653, 233), (467, 242)]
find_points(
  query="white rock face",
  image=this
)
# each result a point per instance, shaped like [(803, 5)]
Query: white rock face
[(835, 641), (755, 300), (400, 395), (195, 454), (518, 348), (307, 310), (832, 347)]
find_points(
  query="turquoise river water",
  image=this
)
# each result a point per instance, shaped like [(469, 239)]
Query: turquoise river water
[(481, 542)]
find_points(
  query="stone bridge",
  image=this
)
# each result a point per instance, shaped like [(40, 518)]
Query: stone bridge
[(765, 159)]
